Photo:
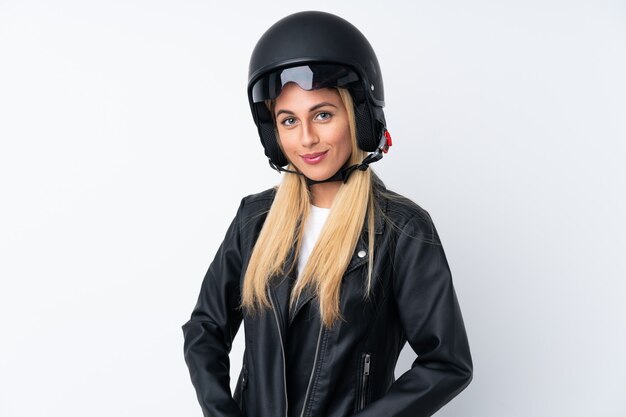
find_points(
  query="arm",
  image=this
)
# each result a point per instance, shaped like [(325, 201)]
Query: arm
[(431, 320), (212, 327)]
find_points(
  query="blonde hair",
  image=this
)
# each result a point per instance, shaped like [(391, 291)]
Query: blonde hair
[(284, 226)]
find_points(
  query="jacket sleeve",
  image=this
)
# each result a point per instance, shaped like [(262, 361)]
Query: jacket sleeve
[(209, 333), (431, 320)]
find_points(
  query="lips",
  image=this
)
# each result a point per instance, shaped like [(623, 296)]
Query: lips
[(313, 158)]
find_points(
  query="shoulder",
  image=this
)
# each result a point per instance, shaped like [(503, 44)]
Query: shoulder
[(403, 209), (255, 206), (405, 215), (260, 199)]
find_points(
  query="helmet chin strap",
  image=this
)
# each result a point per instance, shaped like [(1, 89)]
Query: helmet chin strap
[(344, 173)]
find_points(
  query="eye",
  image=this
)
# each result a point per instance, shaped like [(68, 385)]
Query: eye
[(324, 115), (288, 121)]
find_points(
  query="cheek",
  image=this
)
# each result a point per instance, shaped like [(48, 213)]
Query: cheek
[(285, 141), (343, 142)]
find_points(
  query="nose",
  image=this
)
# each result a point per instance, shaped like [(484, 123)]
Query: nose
[(308, 135)]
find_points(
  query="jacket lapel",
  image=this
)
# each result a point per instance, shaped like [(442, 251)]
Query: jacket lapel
[(280, 287), (359, 257), (306, 296)]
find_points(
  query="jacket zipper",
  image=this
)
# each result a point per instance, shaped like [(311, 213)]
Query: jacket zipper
[(365, 380), (282, 350), (244, 383), (317, 348)]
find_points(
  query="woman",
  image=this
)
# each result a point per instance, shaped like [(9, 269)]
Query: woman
[(330, 272)]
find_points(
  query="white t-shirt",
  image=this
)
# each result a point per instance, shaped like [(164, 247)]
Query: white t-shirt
[(312, 228)]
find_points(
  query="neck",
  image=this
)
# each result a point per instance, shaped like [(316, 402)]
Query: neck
[(323, 194)]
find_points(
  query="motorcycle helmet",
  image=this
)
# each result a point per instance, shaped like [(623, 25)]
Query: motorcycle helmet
[(318, 50)]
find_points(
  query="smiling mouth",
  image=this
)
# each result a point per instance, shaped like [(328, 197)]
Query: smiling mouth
[(313, 158)]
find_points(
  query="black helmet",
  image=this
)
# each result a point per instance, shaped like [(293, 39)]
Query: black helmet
[(317, 50)]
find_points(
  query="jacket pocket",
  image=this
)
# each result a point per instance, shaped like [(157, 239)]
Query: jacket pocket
[(364, 381)]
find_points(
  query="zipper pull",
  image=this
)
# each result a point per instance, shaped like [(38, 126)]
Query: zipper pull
[(366, 367)]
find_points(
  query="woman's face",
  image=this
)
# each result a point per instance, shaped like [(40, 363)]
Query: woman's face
[(313, 130)]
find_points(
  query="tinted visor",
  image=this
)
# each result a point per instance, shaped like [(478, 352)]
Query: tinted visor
[(308, 77)]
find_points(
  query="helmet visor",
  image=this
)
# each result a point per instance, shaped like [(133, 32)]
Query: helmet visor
[(308, 77)]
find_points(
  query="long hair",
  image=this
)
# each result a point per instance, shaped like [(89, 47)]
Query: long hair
[(284, 226)]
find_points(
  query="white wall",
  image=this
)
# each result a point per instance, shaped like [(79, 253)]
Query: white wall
[(127, 143)]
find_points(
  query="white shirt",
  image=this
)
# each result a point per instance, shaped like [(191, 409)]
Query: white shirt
[(312, 228)]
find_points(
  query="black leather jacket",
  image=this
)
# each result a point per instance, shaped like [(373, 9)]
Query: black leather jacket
[(295, 367)]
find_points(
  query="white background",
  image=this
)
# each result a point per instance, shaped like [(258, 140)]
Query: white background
[(127, 144)]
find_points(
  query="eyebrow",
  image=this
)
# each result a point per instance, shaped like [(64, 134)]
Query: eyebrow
[(317, 106)]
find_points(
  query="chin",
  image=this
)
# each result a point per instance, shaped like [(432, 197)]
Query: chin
[(317, 174)]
